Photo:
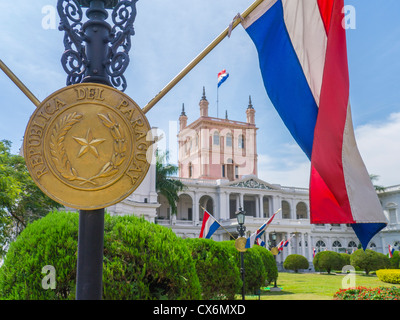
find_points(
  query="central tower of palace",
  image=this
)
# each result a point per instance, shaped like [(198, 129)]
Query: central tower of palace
[(215, 148)]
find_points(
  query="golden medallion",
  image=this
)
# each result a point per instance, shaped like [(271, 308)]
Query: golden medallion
[(240, 244), (274, 251), (88, 146)]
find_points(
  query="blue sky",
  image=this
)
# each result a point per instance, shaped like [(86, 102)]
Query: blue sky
[(169, 34)]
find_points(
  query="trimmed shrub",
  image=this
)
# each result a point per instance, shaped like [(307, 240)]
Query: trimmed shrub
[(51, 240), (216, 267), (269, 263), (328, 261), (369, 260), (389, 275), (141, 261), (295, 262)]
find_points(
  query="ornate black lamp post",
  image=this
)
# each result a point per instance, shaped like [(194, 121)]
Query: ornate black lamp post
[(241, 216), (95, 52), (273, 249)]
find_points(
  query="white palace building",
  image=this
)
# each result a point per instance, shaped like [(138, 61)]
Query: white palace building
[(218, 164)]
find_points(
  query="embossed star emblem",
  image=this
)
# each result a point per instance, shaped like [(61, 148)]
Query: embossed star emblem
[(88, 144)]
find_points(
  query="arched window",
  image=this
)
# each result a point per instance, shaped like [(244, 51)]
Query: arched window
[(352, 244), (301, 210), (229, 140), (336, 246), (216, 138), (321, 246)]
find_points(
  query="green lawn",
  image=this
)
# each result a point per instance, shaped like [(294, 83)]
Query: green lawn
[(314, 286)]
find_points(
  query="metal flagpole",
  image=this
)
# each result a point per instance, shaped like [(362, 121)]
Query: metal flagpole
[(217, 99), (200, 56), (19, 84)]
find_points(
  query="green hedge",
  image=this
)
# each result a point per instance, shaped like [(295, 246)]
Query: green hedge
[(216, 267), (141, 261)]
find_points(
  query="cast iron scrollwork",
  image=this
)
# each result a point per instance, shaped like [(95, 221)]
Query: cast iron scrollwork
[(73, 60), (123, 17)]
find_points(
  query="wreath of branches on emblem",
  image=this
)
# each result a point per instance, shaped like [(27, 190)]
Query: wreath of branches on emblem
[(60, 158)]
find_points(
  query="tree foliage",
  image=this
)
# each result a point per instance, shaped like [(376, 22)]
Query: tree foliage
[(166, 185), (295, 262), (328, 261), (369, 260), (21, 201)]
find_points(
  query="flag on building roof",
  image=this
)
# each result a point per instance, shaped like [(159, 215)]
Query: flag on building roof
[(209, 226), (391, 251), (302, 54), (259, 232), (222, 76)]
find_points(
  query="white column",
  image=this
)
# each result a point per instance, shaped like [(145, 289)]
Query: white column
[(276, 204), (228, 207), (257, 205), (309, 246), (195, 209), (290, 243), (261, 205), (303, 245)]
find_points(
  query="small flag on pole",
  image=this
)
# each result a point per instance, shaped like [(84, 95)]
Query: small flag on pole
[(259, 232), (222, 76), (314, 252), (284, 243), (391, 251), (209, 226)]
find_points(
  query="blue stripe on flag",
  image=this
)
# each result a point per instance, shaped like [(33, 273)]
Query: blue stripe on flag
[(283, 76), (223, 79), (366, 231), (212, 229)]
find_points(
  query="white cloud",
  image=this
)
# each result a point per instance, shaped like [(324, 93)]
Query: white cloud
[(379, 145), (292, 169)]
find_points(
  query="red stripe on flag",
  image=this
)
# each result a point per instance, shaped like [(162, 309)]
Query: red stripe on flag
[(324, 208), (325, 8), (328, 179)]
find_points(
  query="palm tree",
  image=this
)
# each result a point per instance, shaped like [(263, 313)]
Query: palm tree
[(166, 185), (374, 178)]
